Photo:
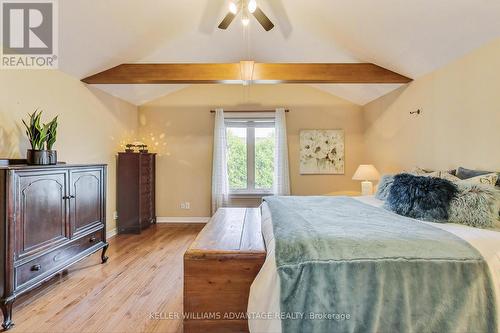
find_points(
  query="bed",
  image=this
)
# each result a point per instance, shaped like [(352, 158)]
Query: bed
[(264, 305)]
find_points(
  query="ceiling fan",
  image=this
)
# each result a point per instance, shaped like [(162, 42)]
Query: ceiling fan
[(246, 7)]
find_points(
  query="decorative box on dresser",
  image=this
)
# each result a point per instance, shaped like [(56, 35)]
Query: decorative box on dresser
[(136, 205), (53, 216)]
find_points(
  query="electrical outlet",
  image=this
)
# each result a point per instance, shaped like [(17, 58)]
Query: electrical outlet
[(115, 215), (185, 205)]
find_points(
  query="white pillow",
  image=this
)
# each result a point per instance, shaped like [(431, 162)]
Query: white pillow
[(416, 171), (442, 174)]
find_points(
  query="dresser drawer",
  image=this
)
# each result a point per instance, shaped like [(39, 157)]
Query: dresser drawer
[(47, 263)]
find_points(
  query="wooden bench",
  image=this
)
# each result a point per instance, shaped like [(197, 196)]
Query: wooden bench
[(219, 268)]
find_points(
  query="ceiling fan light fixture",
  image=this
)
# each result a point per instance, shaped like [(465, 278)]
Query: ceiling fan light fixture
[(246, 8), (233, 8), (246, 69), (252, 6)]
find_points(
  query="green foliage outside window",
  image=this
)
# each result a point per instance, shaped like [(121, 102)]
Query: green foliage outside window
[(237, 161), (264, 162)]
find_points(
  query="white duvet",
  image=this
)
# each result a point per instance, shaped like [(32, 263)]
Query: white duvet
[(263, 302)]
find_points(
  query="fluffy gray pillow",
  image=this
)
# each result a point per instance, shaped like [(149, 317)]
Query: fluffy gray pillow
[(475, 205), (384, 187)]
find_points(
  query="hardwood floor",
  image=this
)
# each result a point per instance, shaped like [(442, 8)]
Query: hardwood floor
[(135, 291)]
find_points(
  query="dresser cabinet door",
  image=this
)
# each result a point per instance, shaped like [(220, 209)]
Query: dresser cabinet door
[(86, 203), (41, 211)]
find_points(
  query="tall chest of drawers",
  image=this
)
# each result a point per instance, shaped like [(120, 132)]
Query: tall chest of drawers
[(52, 217), (136, 206)]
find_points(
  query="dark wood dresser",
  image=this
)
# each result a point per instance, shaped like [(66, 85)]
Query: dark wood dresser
[(53, 216), (136, 191)]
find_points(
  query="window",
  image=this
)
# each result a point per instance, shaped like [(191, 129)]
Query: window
[(250, 155)]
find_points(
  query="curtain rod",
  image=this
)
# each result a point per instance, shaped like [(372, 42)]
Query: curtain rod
[(236, 111)]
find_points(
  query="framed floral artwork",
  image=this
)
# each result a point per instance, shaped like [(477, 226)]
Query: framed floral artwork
[(322, 152)]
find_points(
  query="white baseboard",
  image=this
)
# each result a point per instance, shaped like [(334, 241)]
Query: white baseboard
[(184, 219), (111, 233)]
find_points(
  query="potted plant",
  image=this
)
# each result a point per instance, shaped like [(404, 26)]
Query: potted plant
[(42, 138), (51, 139)]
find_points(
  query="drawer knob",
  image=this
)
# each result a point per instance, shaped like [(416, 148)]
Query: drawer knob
[(36, 268), (92, 239)]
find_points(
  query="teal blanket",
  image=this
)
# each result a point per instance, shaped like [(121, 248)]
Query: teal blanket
[(345, 266)]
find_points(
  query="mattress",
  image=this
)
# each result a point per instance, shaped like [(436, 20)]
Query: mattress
[(264, 304)]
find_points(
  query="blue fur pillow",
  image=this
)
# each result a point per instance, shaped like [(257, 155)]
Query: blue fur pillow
[(384, 187), (425, 198)]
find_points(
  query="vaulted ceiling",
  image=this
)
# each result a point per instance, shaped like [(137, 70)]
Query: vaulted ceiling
[(409, 37)]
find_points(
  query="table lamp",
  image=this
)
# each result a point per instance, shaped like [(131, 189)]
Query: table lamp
[(366, 173)]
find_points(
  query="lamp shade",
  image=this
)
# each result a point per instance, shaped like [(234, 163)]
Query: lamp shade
[(366, 172)]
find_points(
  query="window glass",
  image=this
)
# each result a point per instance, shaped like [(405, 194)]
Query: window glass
[(250, 155), (264, 158), (237, 157)]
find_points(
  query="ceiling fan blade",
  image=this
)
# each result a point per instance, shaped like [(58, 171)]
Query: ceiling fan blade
[(227, 21), (264, 21)]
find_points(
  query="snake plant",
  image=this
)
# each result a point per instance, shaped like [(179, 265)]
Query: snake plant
[(40, 135), (52, 133)]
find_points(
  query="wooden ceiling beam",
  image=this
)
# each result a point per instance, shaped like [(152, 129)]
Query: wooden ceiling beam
[(167, 74), (326, 73), (235, 73)]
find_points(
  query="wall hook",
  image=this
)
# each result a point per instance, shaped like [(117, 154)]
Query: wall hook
[(416, 112)]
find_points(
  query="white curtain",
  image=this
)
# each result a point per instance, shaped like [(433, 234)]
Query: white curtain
[(281, 181), (220, 181)]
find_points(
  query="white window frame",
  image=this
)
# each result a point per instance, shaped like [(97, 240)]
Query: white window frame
[(250, 124)]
